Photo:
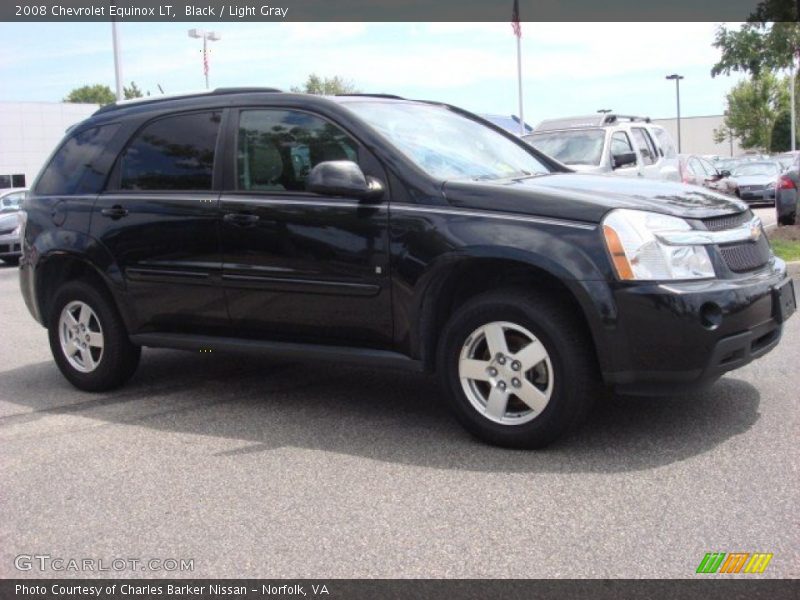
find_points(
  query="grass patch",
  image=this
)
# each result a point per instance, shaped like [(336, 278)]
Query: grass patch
[(788, 250), (785, 241)]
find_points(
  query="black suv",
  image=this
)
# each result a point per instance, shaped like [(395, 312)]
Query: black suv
[(385, 231)]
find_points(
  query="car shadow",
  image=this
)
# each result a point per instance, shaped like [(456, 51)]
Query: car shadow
[(382, 415)]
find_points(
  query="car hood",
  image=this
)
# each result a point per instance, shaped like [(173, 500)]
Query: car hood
[(756, 179), (586, 197), (8, 221)]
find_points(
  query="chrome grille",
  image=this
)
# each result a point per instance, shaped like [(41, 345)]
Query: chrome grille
[(746, 256), (727, 221)]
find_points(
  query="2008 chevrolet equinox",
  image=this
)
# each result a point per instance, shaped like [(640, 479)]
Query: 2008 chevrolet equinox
[(385, 231)]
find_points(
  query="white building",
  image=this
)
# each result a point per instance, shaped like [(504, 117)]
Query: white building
[(29, 132), (697, 136)]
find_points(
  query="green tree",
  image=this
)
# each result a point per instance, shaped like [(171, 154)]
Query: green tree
[(753, 107), (325, 86), (780, 140), (769, 40), (132, 92), (91, 94)]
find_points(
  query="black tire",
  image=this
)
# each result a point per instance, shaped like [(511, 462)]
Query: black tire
[(119, 357), (788, 219), (11, 260), (570, 349)]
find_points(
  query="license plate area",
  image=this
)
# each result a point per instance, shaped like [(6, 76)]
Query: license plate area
[(784, 302)]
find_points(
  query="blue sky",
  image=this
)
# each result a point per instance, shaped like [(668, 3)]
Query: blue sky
[(568, 68)]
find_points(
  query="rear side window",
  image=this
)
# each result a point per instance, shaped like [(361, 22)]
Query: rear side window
[(173, 153), (72, 169), (665, 141)]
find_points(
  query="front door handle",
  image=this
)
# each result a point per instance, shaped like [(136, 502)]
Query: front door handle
[(240, 219), (115, 212)]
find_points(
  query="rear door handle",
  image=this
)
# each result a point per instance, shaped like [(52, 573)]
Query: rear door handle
[(115, 212), (241, 219)]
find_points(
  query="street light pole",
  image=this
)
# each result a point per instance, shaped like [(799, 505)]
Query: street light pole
[(206, 35), (677, 79), (117, 61)]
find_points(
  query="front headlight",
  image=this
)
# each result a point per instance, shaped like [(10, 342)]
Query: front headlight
[(638, 254)]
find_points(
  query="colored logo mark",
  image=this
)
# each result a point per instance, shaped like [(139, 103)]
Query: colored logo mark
[(734, 562)]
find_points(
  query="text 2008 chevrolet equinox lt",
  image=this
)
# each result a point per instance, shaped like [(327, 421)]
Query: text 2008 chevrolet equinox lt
[(389, 232)]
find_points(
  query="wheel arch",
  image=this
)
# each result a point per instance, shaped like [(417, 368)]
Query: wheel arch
[(456, 278)]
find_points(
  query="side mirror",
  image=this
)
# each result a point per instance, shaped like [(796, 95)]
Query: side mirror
[(624, 159), (343, 178), (724, 173)]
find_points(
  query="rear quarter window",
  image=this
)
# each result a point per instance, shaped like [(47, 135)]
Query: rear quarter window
[(72, 169)]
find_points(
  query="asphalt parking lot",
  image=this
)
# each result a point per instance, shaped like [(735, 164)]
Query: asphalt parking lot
[(282, 469)]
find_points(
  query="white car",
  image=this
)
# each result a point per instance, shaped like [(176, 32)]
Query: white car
[(609, 143), (10, 200)]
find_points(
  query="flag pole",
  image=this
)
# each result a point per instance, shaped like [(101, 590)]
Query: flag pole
[(519, 85)]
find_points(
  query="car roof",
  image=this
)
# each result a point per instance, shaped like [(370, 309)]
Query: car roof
[(583, 122)]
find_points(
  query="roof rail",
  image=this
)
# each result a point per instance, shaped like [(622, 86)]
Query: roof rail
[(613, 118), (163, 98), (392, 96)]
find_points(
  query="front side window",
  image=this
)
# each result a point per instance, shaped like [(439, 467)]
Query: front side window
[(644, 145), (276, 149), (571, 147), (72, 169), (620, 143), (447, 145), (172, 153)]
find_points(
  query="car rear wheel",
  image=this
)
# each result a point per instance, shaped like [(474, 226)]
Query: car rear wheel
[(88, 339), (788, 219), (517, 368)]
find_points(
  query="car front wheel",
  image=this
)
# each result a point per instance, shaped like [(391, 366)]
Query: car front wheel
[(88, 339), (517, 368)]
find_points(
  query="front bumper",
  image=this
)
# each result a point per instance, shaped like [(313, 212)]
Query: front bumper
[(755, 196), (10, 245), (670, 336)]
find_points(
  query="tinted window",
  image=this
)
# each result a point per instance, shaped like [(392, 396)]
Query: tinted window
[(72, 169), (644, 145), (278, 148), (174, 153), (620, 143)]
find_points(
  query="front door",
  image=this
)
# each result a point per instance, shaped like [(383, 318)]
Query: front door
[(158, 220), (298, 266)]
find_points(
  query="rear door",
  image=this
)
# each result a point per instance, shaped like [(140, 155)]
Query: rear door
[(647, 152), (300, 266), (158, 219)]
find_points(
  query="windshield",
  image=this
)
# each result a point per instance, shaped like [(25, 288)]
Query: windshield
[(447, 145), (755, 169), (576, 147)]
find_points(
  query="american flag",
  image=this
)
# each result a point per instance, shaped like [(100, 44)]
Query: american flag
[(515, 20)]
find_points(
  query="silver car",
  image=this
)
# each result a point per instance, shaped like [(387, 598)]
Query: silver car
[(10, 201), (756, 182), (619, 144)]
